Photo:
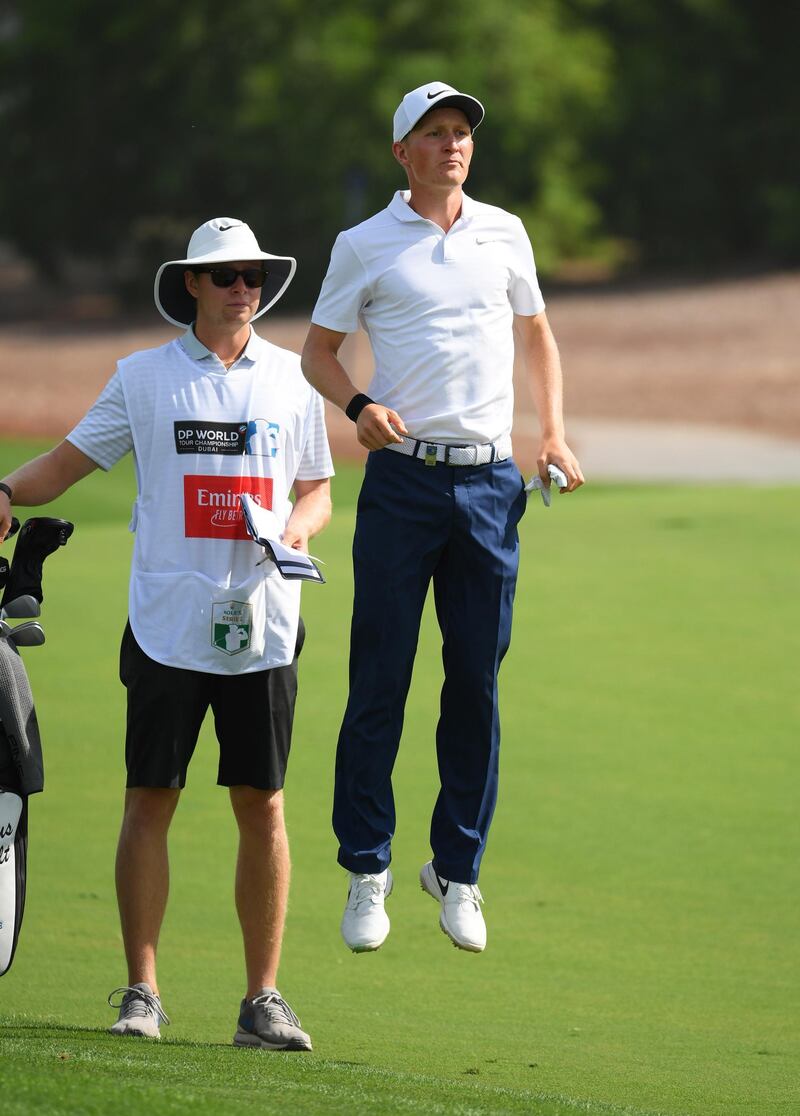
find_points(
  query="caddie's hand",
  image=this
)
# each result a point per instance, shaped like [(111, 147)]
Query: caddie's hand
[(557, 452), (297, 540), (5, 516), (377, 426)]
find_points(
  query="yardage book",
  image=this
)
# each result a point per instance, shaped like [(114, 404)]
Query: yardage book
[(262, 525)]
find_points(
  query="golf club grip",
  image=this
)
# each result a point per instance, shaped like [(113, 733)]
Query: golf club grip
[(38, 538)]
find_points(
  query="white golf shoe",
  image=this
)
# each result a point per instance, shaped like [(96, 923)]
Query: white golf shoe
[(365, 923), (461, 917), (140, 1011)]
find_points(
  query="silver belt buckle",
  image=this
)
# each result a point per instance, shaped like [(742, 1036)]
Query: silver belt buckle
[(449, 450), (430, 453)]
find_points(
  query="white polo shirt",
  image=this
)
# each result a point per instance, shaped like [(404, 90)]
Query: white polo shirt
[(438, 308), (200, 595)]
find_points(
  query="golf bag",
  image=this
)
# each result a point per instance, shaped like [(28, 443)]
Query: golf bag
[(21, 765)]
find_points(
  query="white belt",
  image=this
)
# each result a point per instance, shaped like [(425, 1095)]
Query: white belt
[(433, 453)]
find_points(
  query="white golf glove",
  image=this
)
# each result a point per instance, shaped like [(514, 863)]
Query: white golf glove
[(556, 477)]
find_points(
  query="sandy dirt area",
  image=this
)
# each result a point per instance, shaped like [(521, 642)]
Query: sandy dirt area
[(722, 353)]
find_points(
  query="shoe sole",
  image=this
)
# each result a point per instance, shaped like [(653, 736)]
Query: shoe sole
[(134, 1032), (243, 1038), (468, 948), (369, 948), (457, 944)]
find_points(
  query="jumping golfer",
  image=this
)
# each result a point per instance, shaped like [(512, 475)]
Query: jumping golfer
[(437, 280), (184, 410)]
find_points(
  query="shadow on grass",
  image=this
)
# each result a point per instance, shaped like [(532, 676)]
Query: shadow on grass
[(42, 1030), (47, 1028)]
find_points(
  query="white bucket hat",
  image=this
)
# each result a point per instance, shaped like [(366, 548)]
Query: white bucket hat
[(220, 240), (436, 94)]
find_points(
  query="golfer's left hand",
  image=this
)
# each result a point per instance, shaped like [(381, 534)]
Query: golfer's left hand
[(557, 452), (378, 426)]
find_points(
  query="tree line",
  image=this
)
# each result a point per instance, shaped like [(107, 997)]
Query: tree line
[(660, 135)]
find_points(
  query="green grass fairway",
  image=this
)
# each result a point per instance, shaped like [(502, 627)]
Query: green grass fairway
[(640, 880)]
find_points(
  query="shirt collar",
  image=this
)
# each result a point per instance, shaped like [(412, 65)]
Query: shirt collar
[(400, 208), (195, 348)]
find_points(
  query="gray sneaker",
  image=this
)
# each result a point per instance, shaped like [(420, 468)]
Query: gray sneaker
[(269, 1023), (139, 1012)]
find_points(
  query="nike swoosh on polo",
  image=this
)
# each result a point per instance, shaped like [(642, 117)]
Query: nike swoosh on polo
[(443, 884), (437, 94), (486, 239)]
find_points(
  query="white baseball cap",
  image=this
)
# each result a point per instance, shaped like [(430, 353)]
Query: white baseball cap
[(435, 94), (220, 240)]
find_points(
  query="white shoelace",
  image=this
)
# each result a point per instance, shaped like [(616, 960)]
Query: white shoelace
[(275, 1008), (137, 1004), (468, 893), (365, 889)]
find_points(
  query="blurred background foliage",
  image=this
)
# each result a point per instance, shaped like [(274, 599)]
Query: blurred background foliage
[(628, 135)]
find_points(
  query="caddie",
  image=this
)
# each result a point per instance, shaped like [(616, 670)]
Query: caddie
[(438, 281), (216, 412)]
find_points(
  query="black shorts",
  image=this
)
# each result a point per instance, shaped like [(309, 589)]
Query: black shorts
[(253, 715)]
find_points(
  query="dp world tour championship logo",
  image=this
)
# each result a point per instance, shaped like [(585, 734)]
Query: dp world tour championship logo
[(258, 437), (231, 623)]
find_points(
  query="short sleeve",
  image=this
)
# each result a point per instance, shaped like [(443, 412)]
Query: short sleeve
[(523, 292), (344, 289), (315, 461), (104, 432)]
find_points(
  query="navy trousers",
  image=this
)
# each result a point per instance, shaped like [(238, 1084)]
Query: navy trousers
[(456, 526)]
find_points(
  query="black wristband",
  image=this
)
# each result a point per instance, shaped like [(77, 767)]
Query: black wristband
[(357, 405), (4, 488)]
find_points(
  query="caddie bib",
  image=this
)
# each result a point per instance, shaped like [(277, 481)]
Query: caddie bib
[(201, 595)]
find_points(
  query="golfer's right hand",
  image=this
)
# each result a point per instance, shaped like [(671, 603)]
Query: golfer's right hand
[(377, 426)]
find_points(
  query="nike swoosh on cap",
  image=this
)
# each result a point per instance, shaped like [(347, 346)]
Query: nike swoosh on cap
[(437, 94)]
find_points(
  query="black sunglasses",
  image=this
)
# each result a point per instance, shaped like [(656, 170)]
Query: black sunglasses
[(227, 276)]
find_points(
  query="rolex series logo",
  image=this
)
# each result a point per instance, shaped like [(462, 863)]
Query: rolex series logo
[(231, 626)]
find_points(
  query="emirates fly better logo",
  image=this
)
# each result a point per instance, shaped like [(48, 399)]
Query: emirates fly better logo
[(211, 505)]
